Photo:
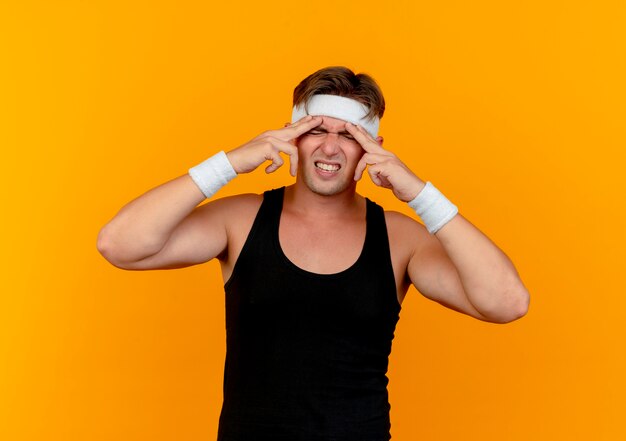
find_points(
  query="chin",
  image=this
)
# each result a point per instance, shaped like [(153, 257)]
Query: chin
[(327, 188)]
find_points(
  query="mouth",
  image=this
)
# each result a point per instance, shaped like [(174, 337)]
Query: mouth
[(327, 167)]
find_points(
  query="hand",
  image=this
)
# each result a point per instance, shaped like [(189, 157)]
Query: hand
[(268, 145), (385, 169)]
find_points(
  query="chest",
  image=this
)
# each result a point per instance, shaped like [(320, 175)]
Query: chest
[(321, 247)]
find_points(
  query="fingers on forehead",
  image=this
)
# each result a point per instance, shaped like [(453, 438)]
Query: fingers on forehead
[(352, 128), (307, 119), (364, 132), (306, 125)]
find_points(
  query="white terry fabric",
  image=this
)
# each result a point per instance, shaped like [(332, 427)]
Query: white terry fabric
[(433, 207), (213, 173), (338, 107)]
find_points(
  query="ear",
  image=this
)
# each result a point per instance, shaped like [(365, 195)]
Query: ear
[(379, 140), (287, 124)]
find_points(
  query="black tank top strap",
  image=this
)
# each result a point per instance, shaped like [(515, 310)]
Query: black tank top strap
[(271, 208), (265, 218), (377, 251)]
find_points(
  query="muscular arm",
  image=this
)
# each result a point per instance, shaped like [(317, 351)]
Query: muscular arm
[(164, 222), (163, 229), (464, 270), (458, 266)]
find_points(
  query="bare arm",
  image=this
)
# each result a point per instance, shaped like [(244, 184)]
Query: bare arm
[(458, 266), (163, 228), (464, 270), (143, 226)]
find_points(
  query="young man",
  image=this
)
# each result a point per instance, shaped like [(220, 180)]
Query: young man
[(315, 273)]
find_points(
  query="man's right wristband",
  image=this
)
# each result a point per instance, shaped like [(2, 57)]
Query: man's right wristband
[(213, 173)]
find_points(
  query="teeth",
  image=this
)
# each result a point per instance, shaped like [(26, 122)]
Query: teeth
[(327, 167)]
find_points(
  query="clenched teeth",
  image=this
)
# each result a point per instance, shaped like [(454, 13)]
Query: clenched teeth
[(327, 167)]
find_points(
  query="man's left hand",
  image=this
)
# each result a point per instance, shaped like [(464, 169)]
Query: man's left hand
[(385, 169)]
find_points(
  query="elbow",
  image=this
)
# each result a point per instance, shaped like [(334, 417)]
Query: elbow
[(524, 303), (517, 304), (105, 247), (120, 254), (102, 244)]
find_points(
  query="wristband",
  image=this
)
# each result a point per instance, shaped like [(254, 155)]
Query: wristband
[(433, 207), (213, 173)]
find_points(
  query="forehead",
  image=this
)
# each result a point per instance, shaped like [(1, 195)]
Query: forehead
[(329, 122)]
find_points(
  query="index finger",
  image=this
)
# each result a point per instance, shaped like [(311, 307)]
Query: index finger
[(368, 143), (301, 126)]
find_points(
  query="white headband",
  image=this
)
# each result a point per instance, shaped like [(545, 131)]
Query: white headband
[(338, 107)]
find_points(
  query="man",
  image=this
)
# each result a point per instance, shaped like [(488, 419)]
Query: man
[(315, 273)]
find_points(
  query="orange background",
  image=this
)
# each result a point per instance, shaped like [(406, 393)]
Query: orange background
[(516, 111)]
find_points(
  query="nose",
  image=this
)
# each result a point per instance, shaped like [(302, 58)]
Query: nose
[(330, 144)]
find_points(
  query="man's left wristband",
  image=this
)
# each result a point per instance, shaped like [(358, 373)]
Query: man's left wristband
[(433, 207), (213, 173)]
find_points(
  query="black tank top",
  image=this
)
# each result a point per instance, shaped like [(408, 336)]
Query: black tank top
[(306, 353)]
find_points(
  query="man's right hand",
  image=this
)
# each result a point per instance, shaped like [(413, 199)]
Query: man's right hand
[(268, 145)]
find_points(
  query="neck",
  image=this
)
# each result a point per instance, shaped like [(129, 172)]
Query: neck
[(299, 198)]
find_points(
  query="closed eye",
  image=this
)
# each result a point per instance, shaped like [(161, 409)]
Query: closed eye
[(320, 132)]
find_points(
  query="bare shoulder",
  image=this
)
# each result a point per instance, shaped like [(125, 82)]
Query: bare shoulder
[(237, 201), (237, 214), (395, 219), (408, 236), (404, 229), (232, 209), (234, 215)]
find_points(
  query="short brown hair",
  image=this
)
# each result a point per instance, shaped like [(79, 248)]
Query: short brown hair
[(339, 80)]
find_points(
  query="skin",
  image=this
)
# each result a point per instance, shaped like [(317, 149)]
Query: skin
[(458, 267)]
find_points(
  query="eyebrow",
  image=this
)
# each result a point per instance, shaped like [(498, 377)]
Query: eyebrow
[(321, 129)]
